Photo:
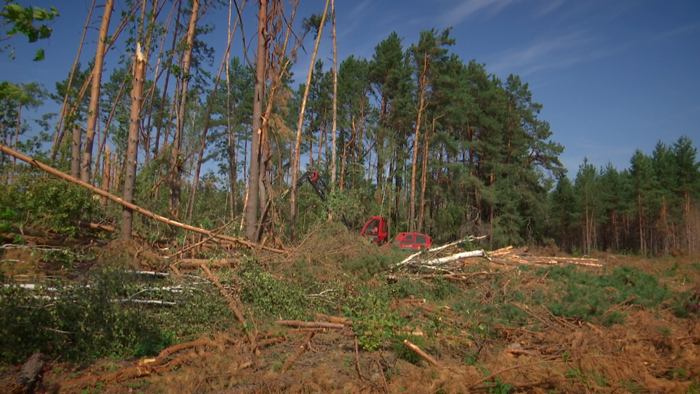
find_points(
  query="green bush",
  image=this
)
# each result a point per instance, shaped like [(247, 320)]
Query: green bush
[(589, 297), (271, 296), (48, 202), (76, 321)]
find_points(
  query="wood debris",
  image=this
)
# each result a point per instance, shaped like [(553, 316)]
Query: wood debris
[(448, 260)]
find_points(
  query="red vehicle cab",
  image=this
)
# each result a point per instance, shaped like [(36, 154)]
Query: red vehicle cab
[(376, 229), (412, 241)]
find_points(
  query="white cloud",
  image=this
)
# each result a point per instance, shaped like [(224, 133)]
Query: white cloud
[(559, 52), (679, 31), (456, 15), (549, 7), (357, 12)]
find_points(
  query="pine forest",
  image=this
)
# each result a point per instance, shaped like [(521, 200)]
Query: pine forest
[(433, 142)]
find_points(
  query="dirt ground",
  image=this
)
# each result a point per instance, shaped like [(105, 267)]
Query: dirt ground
[(653, 352)]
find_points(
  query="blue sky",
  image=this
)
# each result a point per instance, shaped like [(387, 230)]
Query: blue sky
[(613, 76)]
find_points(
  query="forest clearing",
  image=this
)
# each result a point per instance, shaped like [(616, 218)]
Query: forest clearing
[(342, 315), (158, 236)]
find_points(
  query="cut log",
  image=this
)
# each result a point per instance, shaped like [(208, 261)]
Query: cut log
[(421, 353), (30, 371)]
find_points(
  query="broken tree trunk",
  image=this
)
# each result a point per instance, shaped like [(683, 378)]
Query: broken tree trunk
[(131, 206)]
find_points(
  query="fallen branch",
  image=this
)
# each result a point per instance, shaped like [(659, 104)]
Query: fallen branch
[(302, 348), (233, 305), (310, 324), (333, 319), (129, 205), (196, 263), (478, 382), (357, 359), (271, 341), (421, 353)]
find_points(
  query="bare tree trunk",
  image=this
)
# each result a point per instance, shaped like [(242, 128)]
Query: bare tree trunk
[(58, 136), (207, 117), (106, 175), (421, 107), (93, 111), (165, 87), (232, 170), (175, 169), (75, 152), (101, 145), (424, 175), (297, 144), (19, 123), (133, 141), (251, 213)]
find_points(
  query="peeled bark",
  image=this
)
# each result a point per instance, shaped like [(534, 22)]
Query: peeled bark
[(133, 141), (93, 111)]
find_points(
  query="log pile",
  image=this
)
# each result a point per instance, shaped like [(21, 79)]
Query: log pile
[(447, 260)]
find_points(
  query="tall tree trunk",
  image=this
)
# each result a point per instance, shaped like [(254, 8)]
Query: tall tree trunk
[(175, 164), (205, 128), (133, 141), (334, 149), (251, 214), (75, 152), (93, 111), (297, 143), (165, 88), (232, 171), (424, 174), (421, 106), (58, 136), (101, 144)]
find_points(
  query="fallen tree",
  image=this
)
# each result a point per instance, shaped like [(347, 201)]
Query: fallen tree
[(129, 205)]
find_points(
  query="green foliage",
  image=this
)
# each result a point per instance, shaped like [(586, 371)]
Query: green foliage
[(500, 387), (49, 203), (271, 296), (373, 320), (76, 321), (589, 297), (23, 20), (366, 266)]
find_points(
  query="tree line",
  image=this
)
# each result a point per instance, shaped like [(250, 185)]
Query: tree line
[(434, 143)]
